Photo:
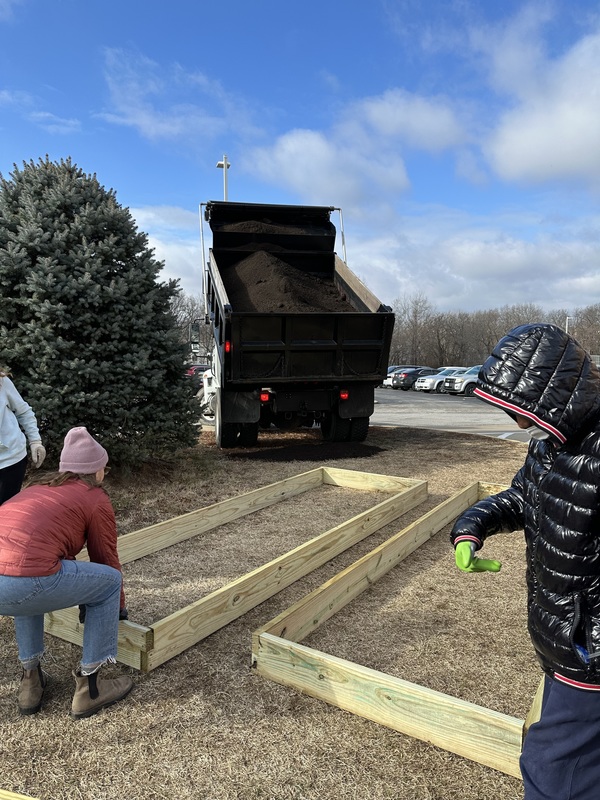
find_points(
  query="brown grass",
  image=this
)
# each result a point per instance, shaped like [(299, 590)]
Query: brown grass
[(205, 725)]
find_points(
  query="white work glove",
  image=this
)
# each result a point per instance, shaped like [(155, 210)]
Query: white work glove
[(38, 453)]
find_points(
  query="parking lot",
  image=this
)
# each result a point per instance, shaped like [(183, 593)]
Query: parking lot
[(443, 412)]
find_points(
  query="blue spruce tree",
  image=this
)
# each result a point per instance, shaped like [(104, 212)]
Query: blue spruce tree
[(85, 324)]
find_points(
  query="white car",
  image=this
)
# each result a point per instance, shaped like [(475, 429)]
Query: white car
[(435, 383), (465, 383)]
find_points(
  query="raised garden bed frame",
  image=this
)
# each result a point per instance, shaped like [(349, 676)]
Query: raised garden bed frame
[(147, 647), (474, 732)]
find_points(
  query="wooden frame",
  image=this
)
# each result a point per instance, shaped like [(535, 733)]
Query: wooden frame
[(471, 731), (147, 647)]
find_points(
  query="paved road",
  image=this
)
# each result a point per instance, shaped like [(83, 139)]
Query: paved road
[(443, 412)]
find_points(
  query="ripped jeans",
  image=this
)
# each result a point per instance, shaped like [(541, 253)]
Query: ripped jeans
[(76, 583)]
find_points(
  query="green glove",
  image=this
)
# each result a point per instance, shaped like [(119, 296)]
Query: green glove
[(464, 555)]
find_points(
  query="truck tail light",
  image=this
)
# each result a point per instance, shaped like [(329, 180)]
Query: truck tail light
[(344, 394), (228, 346), (264, 397)]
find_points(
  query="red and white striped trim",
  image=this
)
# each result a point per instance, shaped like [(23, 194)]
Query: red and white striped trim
[(516, 410), (589, 687), (467, 538)]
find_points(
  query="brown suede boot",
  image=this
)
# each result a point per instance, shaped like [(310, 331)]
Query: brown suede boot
[(92, 693), (31, 690)]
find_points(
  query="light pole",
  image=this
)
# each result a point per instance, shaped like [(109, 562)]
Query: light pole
[(224, 165), (567, 324)]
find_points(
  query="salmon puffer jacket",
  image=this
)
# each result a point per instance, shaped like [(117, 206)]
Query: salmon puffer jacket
[(540, 372)]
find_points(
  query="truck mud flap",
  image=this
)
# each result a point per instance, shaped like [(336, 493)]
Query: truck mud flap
[(360, 402), (240, 406)]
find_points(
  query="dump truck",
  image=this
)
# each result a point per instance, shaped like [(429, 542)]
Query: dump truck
[(299, 340)]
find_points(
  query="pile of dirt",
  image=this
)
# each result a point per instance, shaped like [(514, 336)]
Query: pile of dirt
[(264, 226), (264, 283)]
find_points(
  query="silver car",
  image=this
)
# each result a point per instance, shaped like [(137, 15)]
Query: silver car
[(435, 383)]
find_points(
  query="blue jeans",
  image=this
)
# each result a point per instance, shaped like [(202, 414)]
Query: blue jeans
[(96, 586), (560, 758)]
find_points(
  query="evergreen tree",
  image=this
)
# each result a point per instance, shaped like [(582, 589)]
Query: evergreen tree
[(85, 326)]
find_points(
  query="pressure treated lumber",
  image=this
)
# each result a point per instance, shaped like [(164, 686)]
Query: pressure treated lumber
[(305, 616), (145, 648), (4, 795), (134, 640), (477, 733), (177, 632), (536, 708)]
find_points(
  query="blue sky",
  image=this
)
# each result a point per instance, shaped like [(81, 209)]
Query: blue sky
[(460, 139)]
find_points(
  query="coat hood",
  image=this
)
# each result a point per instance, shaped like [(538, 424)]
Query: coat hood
[(540, 372)]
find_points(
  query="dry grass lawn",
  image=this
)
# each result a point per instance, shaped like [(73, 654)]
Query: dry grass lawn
[(205, 725)]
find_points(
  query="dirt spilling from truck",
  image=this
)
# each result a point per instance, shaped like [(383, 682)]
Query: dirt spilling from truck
[(265, 283)]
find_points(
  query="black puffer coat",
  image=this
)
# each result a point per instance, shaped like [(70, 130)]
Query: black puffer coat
[(542, 373)]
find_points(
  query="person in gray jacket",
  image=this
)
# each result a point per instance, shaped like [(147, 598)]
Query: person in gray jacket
[(18, 428), (549, 385)]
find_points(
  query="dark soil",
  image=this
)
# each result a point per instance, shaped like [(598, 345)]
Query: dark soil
[(264, 283), (264, 226)]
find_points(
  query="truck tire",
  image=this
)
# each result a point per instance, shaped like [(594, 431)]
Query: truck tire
[(226, 433), (229, 435), (248, 435), (359, 428), (335, 429)]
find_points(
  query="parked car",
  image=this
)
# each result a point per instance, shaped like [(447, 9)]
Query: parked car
[(463, 384), (435, 383), (387, 383), (405, 378), (196, 369)]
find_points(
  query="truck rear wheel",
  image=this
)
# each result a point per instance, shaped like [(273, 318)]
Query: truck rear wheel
[(335, 429), (248, 434), (229, 435), (359, 428), (226, 433)]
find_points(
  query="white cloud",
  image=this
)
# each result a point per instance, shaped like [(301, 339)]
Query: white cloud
[(169, 103), (424, 123), (54, 124), (166, 218), (14, 98), (461, 263), (319, 169), (182, 260), (361, 156), (551, 131), (174, 235)]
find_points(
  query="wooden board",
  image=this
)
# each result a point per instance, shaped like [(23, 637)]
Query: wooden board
[(471, 731)]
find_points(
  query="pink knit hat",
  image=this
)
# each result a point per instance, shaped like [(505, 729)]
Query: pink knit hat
[(82, 453)]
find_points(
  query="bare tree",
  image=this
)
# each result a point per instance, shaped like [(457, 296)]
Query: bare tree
[(188, 311), (414, 315), (422, 335)]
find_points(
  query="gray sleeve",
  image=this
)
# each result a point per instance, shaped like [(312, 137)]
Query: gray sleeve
[(22, 411)]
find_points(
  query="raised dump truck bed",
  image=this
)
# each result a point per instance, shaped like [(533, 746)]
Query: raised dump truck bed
[(290, 321)]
